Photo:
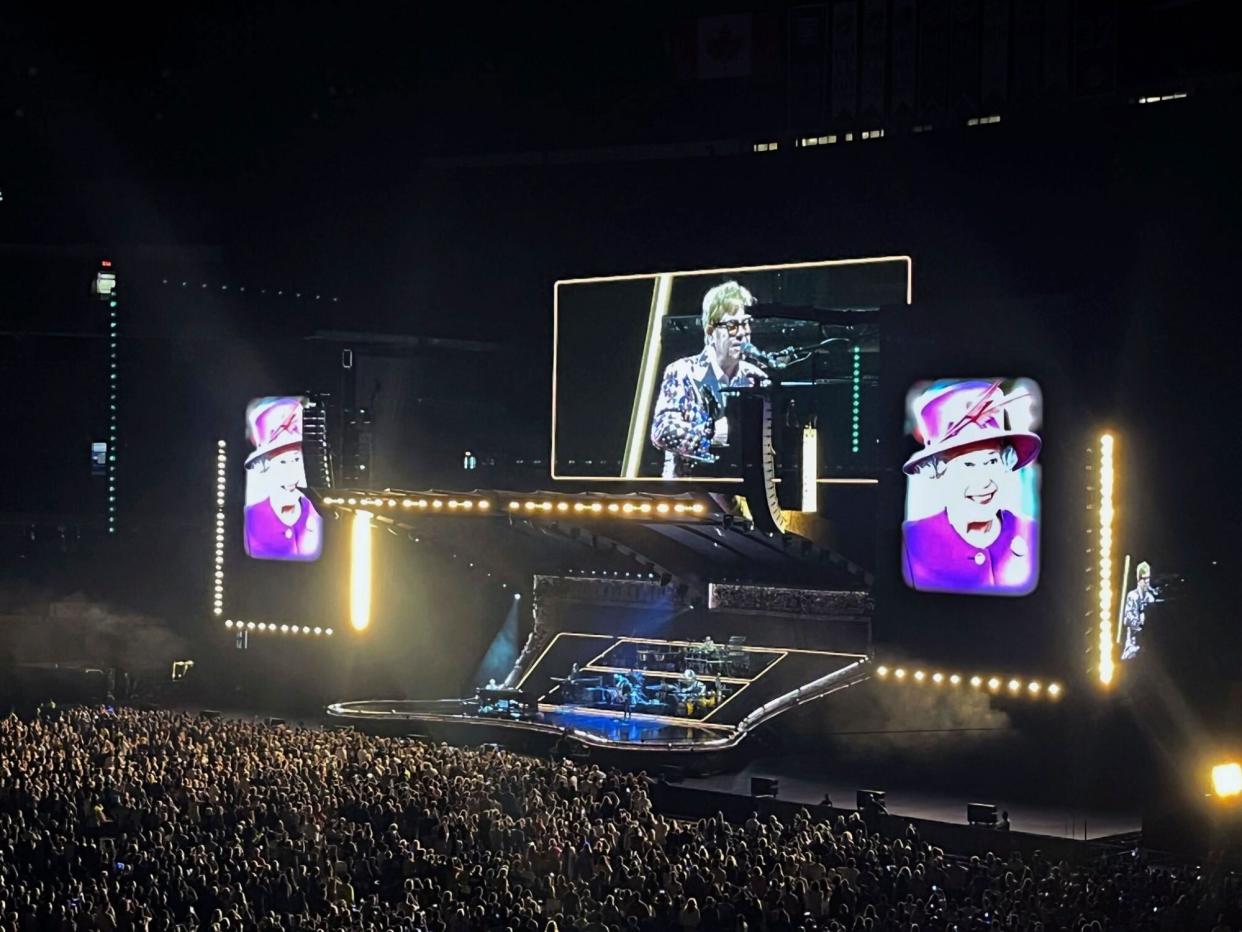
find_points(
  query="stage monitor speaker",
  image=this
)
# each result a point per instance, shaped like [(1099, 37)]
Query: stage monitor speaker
[(211, 714), (869, 799), (671, 773), (275, 721), (1193, 825), (764, 786), (759, 464), (981, 813)]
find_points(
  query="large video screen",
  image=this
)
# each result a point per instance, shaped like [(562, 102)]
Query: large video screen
[(1148, 608), (647, 368), (281, 522), (1135, 608), (972, 488)]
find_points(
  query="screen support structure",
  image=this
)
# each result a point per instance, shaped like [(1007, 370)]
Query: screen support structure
[(759, 464)]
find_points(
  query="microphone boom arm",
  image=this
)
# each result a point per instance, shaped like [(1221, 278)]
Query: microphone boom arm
[(788, 356)]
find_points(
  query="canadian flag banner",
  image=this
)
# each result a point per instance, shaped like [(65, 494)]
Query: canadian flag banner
[(724, 48)]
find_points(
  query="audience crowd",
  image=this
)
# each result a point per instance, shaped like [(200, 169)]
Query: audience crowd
[(133, 820)]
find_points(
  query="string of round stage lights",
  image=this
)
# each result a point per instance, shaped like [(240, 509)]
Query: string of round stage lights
[(1105, 542), (222, 459), (272, 627), (241, 289), (113, 390), (1014, 686)]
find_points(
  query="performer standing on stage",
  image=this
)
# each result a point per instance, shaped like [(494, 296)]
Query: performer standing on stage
[(1133, 616), (689, 419), (639, 682), (625, 693), (573, 690)]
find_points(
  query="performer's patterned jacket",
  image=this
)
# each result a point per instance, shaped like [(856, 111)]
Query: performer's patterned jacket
[(687, 407), (1135, 611)]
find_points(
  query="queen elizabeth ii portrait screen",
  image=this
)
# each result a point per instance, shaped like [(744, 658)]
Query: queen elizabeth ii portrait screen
[(281, 522), (972, 486)]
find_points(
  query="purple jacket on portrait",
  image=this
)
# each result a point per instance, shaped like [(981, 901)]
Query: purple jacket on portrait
[(937, 559), (269, 538)]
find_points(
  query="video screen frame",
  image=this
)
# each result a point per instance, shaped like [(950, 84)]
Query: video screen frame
[(650, 374), (275, 483), (973, 497)]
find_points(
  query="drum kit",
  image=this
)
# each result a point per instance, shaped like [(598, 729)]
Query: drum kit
[(706, 659), (661, 657)]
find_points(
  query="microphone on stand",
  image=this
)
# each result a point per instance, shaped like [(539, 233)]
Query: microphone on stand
[(768, 360)]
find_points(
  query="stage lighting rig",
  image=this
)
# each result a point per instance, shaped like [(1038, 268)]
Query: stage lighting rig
[(1106, 667), (105, 289), (1227, 780), (360, 572)]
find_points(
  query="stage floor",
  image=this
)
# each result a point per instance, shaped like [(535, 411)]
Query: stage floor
[(764, 682), (600, 727), (798, 785), (613, 726), (767, 673)]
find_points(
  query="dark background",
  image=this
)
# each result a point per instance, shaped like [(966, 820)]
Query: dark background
[(433, 171)]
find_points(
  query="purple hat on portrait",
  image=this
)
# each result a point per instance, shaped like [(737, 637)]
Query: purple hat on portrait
[(967, 413), (273, 424)]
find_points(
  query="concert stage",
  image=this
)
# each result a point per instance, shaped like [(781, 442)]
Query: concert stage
[(668, 661), (528, 713), (599, 727)]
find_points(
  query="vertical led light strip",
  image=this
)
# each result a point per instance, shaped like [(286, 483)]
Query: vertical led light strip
[(360, 571), (1106, 667), (112, 412), (217, 575), (855, 398), (810, 469)]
